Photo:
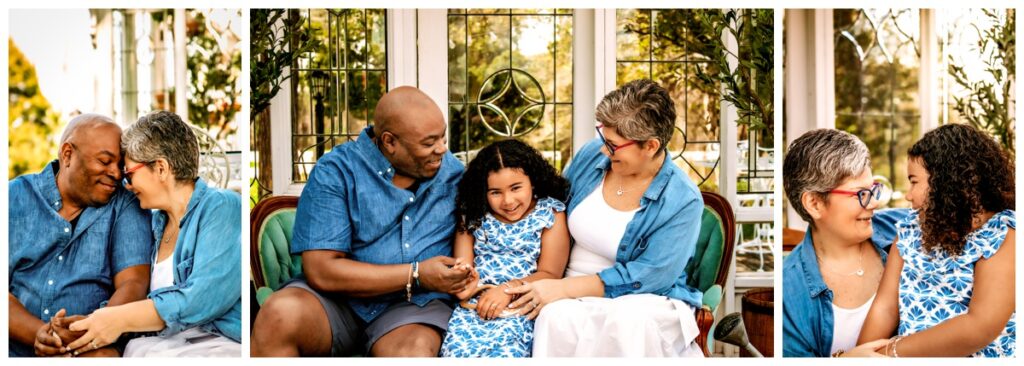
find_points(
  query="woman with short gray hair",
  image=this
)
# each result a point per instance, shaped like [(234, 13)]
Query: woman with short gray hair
[(635, 217), (195, 302), (830, 279)]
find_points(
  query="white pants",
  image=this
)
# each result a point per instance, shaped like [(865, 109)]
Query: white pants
[(642, 325), (192, 342)]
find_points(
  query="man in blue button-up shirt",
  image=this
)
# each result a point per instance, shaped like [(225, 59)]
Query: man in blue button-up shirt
[(374, 227), (78, 240)]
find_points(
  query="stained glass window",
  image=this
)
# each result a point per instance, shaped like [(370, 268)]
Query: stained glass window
[(336, 88), (510, 76)]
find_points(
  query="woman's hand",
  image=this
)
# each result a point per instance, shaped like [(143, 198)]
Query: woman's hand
[(492, 303), (534, 296), (869, 349), (101, 328)]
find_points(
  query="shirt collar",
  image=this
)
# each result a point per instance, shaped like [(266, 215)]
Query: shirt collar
[(46, 184), (367, 147), (809, 262)]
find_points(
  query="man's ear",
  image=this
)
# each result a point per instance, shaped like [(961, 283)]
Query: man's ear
[(388, 141), (65, 154), (814, 204)]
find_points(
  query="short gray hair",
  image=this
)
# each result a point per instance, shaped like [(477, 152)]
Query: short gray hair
[(163, 135), (819, 161), (641, 110)]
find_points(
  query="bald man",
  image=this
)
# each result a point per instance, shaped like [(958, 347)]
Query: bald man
[(78, 241), (374, 227)]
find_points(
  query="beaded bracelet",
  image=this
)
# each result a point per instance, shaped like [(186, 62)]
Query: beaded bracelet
[(416, 273), (408, 285), (894, 343)]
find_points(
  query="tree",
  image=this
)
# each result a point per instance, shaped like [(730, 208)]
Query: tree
[(986, 104), (213, 71), (31, 121)]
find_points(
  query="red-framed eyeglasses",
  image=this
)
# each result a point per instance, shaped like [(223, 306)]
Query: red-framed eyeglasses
[(612, 148), (864, 196), (126, 175)]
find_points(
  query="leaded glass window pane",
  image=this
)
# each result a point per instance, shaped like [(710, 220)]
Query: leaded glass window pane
[(510, 76), (877, 65), (653, 44), (336, 88)]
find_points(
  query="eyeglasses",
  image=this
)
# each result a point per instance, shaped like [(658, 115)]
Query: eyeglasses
[(127, 173), (878, 192), (612, 148)]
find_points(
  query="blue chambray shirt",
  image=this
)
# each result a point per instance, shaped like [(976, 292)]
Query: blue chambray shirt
[(660, 239), (350, 205), (807, 320), (50, 267), (207, 290)]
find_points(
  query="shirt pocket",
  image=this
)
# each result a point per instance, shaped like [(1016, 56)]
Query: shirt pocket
[(93, 250)]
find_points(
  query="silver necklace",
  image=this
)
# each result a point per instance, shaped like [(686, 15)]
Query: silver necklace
[(859, 272), (620, 191)]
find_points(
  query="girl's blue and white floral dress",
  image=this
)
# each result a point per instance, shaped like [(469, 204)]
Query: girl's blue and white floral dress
[(937, 286), (502, 252)]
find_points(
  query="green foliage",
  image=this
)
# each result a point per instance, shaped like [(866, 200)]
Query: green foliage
[(986, 104), (31, 120), (213, 72), (277, 38), (749, 85)]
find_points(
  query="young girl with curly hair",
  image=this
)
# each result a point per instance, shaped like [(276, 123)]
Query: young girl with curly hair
[(512, 227), (948, 287)]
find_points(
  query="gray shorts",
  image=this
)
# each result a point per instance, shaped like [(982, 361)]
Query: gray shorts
[(350, 335)]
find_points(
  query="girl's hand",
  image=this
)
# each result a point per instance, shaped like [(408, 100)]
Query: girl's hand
[(534, 296), (492, 302), (468, 292), (102, 328), (869, 349)]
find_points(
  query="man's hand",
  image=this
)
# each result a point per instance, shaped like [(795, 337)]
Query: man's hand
[(54, 335), (59, 326), (47, 344), (445, 274)]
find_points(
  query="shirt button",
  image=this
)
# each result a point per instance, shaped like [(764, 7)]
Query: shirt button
[(407, 218), (412, 199), (406, 245), (636, 284), (50, 282), (380, 173), (67, 229), (46, 311), (60, 257)]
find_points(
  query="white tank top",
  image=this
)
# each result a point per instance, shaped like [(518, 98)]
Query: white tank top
[(847, 325), (163, 273), (598, 228)]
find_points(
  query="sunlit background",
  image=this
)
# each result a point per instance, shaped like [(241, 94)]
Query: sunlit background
[(125, 63)]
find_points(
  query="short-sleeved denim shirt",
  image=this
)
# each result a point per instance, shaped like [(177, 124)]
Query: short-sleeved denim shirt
[(53, 267), (807, 319), (661, 237), (207, 265), (350, 205)]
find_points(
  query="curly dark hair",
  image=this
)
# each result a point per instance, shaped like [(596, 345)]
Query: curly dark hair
[(968, 174), (471, 203)]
